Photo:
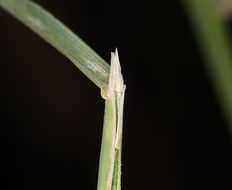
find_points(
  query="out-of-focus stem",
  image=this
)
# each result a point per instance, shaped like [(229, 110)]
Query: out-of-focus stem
[(214, 40)]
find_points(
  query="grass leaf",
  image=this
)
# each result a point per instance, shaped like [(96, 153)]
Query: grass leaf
[(59, 36)]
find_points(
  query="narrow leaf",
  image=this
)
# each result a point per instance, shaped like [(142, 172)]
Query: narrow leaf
[(59, 36)]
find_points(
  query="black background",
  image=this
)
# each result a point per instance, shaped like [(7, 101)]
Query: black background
[(175, 136)]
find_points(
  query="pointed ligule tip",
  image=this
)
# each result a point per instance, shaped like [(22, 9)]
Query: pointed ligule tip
[(117, 57), (116, 52), (115, 79)]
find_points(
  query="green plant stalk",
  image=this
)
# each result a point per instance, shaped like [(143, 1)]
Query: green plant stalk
[(213, 38), (62, 38), (109, 175), (96, 69)]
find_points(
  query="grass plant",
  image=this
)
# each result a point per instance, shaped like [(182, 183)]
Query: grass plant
[(108, 79)]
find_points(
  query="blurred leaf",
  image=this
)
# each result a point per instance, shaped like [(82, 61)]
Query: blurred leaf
[(214, 40)]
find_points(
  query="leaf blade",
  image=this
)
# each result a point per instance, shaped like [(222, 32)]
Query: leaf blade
[(60, 37)]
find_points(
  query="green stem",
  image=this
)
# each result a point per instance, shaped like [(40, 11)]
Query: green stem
[(110, 159), (107, 149), (109, 176)]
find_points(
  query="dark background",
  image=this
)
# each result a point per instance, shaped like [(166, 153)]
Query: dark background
[(175, 136)]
